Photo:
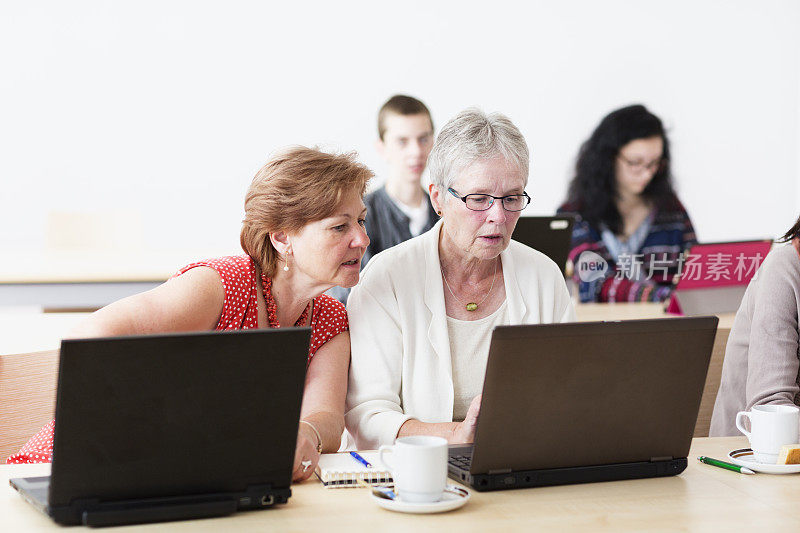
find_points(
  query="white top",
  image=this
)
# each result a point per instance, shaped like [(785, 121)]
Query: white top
[(401, 364), (469, 342), (417, 216)]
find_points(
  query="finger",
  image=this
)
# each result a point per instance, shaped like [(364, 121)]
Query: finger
[(297, 473), (474, 410), (297, 467), (297, 458), (476, 401), (306, 471), (302, 470), (314, 459)]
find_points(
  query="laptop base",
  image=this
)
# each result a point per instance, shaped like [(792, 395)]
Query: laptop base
[(93, 513), (562, 476), (710, 301)]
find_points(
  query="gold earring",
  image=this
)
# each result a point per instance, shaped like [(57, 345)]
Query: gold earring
[(439, 213), (286, 261)]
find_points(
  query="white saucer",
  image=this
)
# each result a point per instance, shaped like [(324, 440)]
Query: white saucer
[(453, 498), (744, 457)]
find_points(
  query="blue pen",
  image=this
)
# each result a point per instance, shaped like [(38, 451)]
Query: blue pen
[(360, 459)]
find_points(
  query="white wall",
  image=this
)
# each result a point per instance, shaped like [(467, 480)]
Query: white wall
[(166, 109)]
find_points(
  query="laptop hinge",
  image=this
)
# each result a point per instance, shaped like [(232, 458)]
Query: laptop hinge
[(664, 458), (500, 471)]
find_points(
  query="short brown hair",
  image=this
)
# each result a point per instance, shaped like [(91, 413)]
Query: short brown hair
[(298, 185), (401, 104)]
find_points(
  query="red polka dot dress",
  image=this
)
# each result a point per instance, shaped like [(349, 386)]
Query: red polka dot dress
[(239, 311)]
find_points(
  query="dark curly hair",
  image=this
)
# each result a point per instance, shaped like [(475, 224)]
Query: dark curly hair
[(793, 232), (593, 190)]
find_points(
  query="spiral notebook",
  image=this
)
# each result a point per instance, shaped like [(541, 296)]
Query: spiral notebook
[(341, 470)]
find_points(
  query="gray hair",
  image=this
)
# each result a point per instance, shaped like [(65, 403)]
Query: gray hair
[(473, 135)]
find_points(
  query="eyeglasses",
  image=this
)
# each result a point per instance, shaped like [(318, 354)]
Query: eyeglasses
[(482, 202), (638, 166)]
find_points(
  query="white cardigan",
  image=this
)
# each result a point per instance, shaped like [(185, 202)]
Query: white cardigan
[(401, 363)]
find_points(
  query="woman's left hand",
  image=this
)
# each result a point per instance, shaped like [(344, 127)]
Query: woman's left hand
[(464, 432), (305, 455)]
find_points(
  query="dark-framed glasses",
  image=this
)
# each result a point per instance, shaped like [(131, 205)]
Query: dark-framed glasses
[(482, 202), (638, 166)]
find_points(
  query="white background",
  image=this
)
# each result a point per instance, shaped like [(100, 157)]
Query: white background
[(153, 116)]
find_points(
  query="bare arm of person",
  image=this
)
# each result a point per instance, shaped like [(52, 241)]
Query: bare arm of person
[(454, 432), (191, 302), (323, 403)]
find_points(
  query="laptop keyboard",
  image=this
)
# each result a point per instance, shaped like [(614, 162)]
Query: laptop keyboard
[(460, 461)]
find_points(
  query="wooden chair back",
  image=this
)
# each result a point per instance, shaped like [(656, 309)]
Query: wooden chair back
[(27, 397), (712, 383)]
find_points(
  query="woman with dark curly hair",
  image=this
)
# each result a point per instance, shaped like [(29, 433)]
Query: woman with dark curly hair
[(626, 211)]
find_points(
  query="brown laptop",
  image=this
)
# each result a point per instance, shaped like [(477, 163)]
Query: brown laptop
[(584, 402)]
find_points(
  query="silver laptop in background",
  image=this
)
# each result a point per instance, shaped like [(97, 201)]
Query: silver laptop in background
[(710, 301), (715, 276)]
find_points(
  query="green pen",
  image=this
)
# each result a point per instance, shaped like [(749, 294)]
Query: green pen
[(723, 464)]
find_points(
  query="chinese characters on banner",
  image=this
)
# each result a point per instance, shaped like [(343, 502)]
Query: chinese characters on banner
[(716, 267)]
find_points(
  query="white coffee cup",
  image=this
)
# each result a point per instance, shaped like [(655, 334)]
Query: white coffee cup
[(418, 466), (771, 426)]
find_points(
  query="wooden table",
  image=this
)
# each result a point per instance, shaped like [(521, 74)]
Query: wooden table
[(703, 498), (587, 312)]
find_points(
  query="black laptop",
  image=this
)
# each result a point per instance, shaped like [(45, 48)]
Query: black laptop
[(550, 235), (169, 427), (585, 402)]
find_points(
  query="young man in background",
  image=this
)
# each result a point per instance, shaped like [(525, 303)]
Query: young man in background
[(401, 208)]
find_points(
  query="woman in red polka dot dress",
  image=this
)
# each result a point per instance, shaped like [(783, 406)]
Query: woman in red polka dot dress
[(303, 233)]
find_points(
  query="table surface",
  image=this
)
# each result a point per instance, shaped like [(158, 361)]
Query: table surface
[(703, 498), (631, 311)]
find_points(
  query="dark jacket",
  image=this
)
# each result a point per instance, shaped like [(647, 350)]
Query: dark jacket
[(387, 226)]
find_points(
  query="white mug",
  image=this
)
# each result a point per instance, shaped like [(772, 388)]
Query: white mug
[(418, 466), (771, 426)]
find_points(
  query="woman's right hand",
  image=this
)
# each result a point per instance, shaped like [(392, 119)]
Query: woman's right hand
[(306, 455), (464, 432)]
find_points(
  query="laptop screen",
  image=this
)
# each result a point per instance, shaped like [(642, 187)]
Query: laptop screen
[(161, 415), (550, 235), (592, 393)]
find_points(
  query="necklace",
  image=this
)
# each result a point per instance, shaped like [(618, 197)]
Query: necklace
[(272, 308), (471, 306)]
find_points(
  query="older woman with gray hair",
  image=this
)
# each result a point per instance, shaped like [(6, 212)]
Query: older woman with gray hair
[(422, 316)]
